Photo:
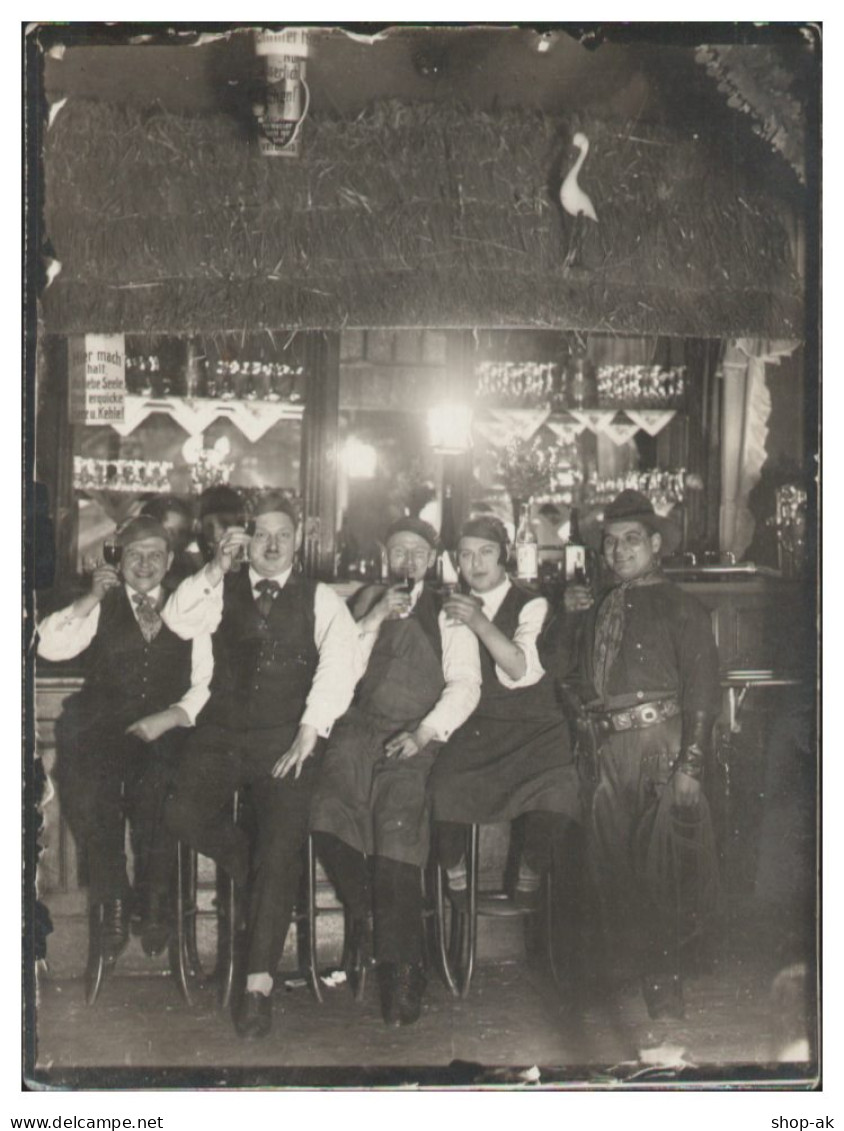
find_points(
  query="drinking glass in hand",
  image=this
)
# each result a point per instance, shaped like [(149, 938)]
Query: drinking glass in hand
[(112, 552), (404, 585)]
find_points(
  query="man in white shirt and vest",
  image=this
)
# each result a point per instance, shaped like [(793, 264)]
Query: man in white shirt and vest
[(120, 738), (285, 667), (422, 680)]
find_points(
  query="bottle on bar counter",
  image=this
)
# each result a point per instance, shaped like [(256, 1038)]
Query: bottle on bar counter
[(527, 547), (577, 557)]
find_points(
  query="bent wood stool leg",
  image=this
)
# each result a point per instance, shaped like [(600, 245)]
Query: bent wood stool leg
[(95, 967), (228, 936), (440, 930), (313, 972), (472, 916)]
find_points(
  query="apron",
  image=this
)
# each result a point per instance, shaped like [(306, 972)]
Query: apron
[(513, 755), (375, 804)]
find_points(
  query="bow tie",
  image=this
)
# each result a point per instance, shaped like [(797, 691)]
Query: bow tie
[(268, 589), (149, 621)]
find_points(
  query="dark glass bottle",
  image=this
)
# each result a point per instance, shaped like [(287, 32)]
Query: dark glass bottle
[(578, 559)]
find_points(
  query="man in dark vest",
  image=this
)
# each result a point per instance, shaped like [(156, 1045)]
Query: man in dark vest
[(422, 680), (120, 738), (285, 667), (649, 680)]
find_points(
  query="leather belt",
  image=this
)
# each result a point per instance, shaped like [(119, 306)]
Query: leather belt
[(635, 718)]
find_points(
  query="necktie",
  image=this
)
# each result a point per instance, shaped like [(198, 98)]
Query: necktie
[(148, 619), (268, 589)]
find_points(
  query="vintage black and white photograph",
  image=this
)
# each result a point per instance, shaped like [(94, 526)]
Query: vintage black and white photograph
[(422, 559)]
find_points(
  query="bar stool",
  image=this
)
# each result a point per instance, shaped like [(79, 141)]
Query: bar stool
[(456, 942), (185, 963), (182, 947)]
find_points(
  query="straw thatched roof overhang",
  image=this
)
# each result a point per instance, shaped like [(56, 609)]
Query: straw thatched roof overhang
[(409, 215)]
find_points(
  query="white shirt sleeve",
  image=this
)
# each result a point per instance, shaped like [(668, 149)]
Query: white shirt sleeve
[(462, 673), (62, 635), (340, 663), (531, 620), (202, 668), (196, 607)]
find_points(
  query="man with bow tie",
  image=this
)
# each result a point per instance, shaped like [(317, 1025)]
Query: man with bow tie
[(120, 738), (285, 666)]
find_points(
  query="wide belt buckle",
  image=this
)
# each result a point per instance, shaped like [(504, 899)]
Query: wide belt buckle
[(648, 714)]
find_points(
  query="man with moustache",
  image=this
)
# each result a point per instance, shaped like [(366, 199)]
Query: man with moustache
[(285, 667), (371, 812)]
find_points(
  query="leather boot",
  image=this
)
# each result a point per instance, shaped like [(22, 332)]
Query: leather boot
[(114, 932)]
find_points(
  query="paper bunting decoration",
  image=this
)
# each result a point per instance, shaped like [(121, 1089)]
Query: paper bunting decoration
[(650, 420), (253, 418), (499, 426), (618, 431)]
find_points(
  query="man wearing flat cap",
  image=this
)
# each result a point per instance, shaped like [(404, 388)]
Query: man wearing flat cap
[(370, 812), (120, 739), (285, 666), (649, 681)]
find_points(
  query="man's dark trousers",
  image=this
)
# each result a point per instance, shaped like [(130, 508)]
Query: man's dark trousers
[(218, 762)]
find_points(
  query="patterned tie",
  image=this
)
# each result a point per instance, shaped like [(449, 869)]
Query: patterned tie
[(148, 619), (268, 590)]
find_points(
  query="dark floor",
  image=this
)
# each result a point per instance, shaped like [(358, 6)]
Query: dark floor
[(738, 1023)]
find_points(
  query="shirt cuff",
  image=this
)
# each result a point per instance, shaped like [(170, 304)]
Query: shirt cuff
[(311, 719)]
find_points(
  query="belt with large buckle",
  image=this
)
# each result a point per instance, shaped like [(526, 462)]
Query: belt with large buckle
[(636, 718)]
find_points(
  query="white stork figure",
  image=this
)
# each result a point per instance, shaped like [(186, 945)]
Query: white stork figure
[(574, 200)]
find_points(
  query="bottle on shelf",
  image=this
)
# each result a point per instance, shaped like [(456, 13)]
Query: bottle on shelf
[(448, 524), (527, 546), (578, 559)]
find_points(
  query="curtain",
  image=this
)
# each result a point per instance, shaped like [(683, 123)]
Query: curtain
[(747, 408)]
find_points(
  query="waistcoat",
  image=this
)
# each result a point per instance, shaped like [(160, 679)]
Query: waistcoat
[(263, 668)]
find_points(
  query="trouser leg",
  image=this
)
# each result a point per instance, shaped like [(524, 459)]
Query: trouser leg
[(103, 826), (611, 861), (89, 775), (149, 775), (398, 911), (450, 839), (545, 837), (282, 808), (199, 807), (348, 871)]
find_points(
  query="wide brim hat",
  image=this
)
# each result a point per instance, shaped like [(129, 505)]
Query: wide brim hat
[(633, 506)]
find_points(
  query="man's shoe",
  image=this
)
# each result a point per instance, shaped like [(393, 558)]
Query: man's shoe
[(156, 925), (254, 1017), (114, 930), (409, 988), (663, 994)]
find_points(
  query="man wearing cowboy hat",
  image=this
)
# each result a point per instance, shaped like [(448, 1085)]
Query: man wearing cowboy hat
[(649, 681)]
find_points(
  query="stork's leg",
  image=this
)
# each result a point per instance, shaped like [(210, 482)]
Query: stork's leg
[(572, 258)]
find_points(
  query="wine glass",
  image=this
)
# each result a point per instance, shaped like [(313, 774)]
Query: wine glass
[(112, 552)]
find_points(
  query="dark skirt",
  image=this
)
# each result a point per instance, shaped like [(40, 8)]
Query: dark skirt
[(494, 769)]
